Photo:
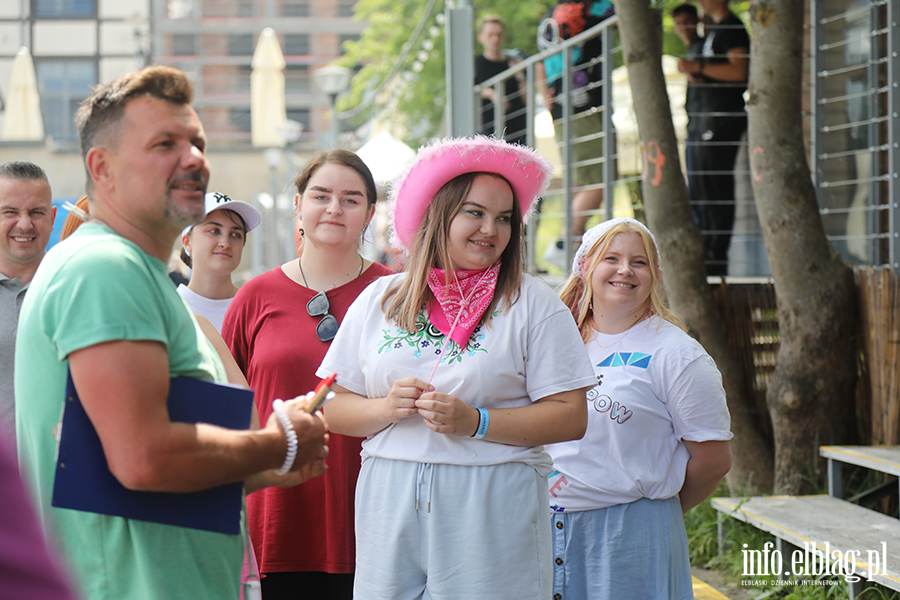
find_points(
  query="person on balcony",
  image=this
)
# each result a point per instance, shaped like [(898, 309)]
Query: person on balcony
[(723, 69), (495, 60), (686, 20), (563, 21)]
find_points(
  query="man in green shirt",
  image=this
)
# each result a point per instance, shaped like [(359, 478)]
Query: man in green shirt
[(102, 307)]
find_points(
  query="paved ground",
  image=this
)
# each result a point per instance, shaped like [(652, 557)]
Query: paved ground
[(717, 588)]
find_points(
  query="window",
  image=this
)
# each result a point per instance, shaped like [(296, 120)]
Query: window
[(295, 9), (296, 78), (296, 43), (241, 79), (228, 8), (345, 8), (301, 115), (64, 8), (62, 85), (245, 8), (183, 44), (240, 44), (239, 118), (346, 38), (188, 68), (179, 9)]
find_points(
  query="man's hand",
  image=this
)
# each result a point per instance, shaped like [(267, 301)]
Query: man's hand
[(311, 433), (123, 387)]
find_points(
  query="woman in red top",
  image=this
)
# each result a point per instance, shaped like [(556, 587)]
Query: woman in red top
[(279, 327)]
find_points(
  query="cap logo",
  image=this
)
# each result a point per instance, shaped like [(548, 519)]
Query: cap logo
[(221, 198)]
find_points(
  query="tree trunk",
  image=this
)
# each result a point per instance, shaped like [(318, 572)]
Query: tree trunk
[(811, 394), (669, 216)]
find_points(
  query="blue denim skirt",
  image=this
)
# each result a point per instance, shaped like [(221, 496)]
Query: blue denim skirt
[(637, 551)]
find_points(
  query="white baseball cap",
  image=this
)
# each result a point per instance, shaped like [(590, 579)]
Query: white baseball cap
[(216, 200)]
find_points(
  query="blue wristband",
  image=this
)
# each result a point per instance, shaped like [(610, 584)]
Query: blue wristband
[(484, 419)]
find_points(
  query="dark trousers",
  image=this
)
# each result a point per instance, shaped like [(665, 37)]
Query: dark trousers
[(310, 584), (713, 180)]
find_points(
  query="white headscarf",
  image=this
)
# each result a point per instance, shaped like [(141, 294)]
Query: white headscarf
[(590, 238)]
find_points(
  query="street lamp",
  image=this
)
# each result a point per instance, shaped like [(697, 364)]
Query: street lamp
[(333, 80)]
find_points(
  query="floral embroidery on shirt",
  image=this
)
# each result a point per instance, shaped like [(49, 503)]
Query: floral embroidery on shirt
[(429, 339)]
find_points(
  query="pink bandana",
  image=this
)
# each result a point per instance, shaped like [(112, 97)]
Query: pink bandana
[(461, 305)]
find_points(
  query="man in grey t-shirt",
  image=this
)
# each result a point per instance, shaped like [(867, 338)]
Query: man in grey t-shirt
[(26, 220)]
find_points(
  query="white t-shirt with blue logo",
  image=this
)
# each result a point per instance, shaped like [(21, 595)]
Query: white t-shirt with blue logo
[(656, 387)]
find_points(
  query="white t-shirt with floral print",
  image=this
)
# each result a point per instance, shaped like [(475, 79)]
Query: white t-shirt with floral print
[(531, 351)]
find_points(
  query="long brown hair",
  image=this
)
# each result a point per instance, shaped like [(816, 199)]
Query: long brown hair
[(578, 294), (430, 248)]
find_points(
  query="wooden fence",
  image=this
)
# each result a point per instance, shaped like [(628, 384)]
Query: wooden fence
[(750, 316), (879, 303)]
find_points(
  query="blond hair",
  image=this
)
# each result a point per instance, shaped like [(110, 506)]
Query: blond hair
[(577, 293)]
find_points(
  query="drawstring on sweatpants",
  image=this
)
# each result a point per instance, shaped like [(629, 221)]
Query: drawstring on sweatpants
[(420, 479)]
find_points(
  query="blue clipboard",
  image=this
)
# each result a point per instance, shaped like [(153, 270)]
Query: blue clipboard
[(84, 482)]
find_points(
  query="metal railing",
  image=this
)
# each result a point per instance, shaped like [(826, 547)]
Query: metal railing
[(853, 138), (854, 155), (621, 159), (557, 204)]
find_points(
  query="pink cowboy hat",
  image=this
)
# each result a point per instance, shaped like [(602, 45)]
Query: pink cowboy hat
[(442, 160)]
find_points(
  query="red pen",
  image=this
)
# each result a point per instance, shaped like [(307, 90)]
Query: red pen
[(321, 393)]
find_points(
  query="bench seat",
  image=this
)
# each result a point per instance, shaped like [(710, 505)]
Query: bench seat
[(809, 522)]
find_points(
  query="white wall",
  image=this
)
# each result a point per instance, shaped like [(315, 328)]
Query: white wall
[(118, 37), (10, 37), (12, 9), (5, 75), (123, 9), (111, 68), (65, 38)]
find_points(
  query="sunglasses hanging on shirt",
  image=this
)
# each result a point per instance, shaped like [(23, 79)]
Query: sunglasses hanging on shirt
[(328, 326)]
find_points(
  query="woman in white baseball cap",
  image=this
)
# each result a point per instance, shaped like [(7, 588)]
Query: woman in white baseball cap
[(213, 249)]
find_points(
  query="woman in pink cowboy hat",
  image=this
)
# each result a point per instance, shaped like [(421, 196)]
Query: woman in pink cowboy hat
[(457, 372)]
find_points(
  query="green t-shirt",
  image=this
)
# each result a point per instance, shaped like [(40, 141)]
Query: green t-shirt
[(98, 287)]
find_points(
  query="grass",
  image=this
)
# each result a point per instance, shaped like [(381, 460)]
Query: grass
[(703, 543)]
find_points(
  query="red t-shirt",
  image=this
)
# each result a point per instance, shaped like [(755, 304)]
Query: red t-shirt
[(273, 339)]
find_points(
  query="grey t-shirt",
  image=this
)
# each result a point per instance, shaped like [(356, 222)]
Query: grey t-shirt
[(12, 293)]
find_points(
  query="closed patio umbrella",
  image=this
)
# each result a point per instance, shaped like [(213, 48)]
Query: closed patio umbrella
[(22, 120), (267, 104)]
